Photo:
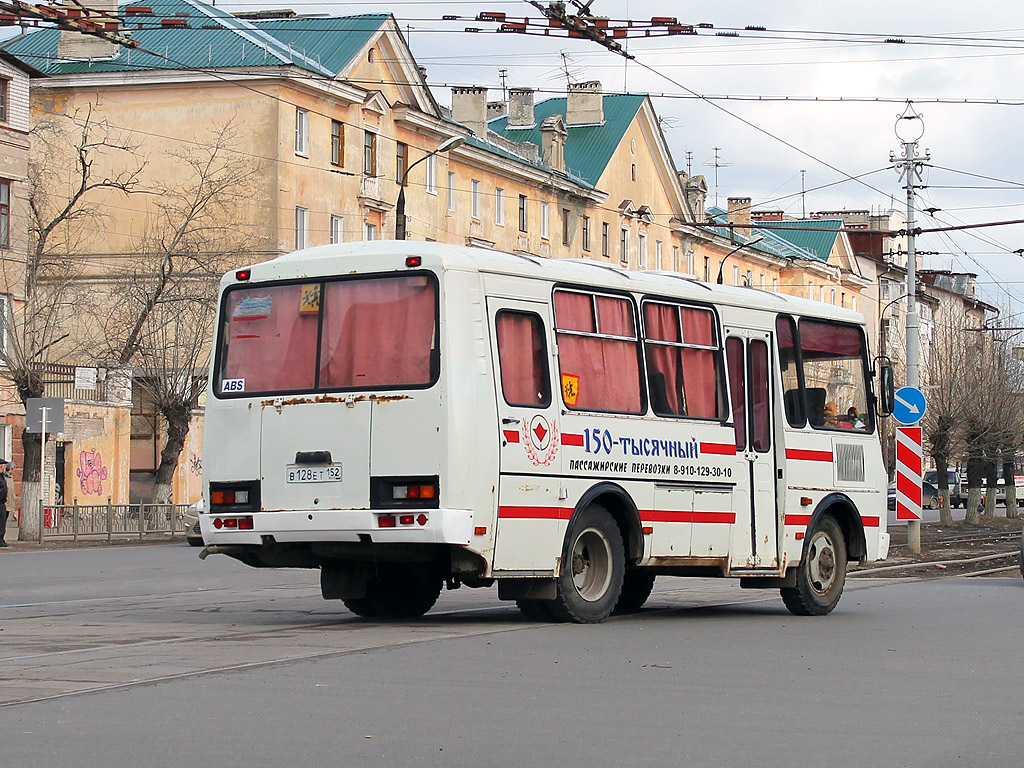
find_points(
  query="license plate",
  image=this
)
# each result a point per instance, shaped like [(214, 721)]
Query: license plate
[(315, 473)]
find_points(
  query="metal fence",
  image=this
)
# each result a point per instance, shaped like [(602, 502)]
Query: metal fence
[(59, 381), (74, 521)]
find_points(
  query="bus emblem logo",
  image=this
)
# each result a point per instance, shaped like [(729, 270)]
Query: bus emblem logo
[(540, 439)]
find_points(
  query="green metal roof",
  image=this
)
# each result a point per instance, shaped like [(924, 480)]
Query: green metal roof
[(811, 239), (213, 39), (588, 148)]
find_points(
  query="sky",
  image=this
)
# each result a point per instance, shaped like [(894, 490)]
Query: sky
[(812, 101)]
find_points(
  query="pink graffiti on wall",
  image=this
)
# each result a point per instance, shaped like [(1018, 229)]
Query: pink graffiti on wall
[(91, 472)]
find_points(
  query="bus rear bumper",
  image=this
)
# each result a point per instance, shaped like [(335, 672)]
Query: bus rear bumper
[(427, 526)]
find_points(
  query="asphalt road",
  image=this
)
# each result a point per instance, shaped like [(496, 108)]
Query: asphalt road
[(147, 656)]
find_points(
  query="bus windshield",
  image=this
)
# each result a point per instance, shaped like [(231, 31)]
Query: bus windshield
[(328, 335)]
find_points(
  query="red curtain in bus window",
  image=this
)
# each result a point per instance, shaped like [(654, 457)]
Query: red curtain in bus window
[(661, 323), (608, 370), (522, 359), (737, 390), (761, 437), (272, 338), (699, 375), (378, 333), (824, 339)]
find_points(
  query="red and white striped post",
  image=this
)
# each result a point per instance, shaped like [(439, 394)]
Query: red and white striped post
[(908, 473)]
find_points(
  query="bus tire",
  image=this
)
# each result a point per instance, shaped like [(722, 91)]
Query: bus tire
[(535, 610), (636, 588), (822, 571), (360, 607), (593, 568), (402, 591)]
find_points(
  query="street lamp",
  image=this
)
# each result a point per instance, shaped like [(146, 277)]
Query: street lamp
[(445, 146), (721, 267)]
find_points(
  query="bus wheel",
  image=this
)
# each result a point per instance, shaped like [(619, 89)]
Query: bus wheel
[(593, 566), (402, 591), (636, 588), (360, 607), (822, 571), (535, 610)]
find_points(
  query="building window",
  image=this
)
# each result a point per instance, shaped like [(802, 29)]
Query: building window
[(301, 227), (370, 232), (833, 297), (431, 174), (302, 132), (566, 213), (675, 258), (545, 223), (499, 206), (6, 320), (632, 171), (657, 254), (775, 284), (5, 213), (337, 143), (522, 213), (474, 198), (5, 87), (641, 251), (761, 278), (585, 232), (451, 190), (707, 269), (606, 246), (624, 246), (842, 301), (750, 279), (401, 162), (369, 153), (337, 229), (735, 275)]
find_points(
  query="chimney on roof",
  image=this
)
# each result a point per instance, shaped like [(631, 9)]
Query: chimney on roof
[(584, 104), (520, 108), (496, 109), (469, 107), (552, 142), (739, 215), (75, 45)]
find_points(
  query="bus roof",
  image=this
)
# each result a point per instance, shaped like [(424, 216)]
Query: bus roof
[(388, 255)]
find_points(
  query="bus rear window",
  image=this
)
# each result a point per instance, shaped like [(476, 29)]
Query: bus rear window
[(340, 334)]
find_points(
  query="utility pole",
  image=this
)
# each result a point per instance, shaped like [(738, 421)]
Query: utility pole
[(909, 130)]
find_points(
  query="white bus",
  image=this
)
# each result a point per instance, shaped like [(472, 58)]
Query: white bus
[(405, 416)]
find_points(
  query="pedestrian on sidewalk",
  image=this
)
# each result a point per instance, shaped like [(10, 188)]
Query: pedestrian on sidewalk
[(8, 468)]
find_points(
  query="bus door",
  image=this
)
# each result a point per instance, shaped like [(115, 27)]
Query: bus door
[(755, 542), (530, 496)]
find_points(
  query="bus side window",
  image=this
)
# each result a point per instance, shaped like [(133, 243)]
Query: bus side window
[(522, 358), (683, 358), (785, 332)]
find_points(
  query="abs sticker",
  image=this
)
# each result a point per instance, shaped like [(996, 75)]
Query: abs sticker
[(570, 388), (233, 385)]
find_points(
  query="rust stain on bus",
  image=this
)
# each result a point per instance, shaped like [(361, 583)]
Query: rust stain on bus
[(333, 399)]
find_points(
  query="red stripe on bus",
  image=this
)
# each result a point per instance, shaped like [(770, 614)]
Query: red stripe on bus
[(870, 522), (681, 516), (908, 457), (797, 453), (511, 435), (568, 439), (798, 520), (725, 449), (534, 513)]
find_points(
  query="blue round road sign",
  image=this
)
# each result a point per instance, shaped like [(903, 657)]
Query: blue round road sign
[(909, 406)]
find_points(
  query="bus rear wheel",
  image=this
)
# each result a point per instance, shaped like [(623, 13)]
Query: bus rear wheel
[(399, 592), (636, 588), (821, 575), (593, 568)]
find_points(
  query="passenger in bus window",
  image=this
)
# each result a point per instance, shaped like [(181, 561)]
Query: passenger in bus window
[(855, 420), (831, 414)]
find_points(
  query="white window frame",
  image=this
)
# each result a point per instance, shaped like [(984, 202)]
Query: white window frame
[(337, 229), (641, 250), (369, 231), (451, 190), (475, 205), (675, 258), (735, 274), (302, 132), (499, 206), (6, 319), (658, 253), (624, 245), (545, 222), (431, 170), (301, 227)]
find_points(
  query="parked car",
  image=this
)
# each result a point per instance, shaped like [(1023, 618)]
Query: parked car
[(956, 496), (191, 523), (929, 496)]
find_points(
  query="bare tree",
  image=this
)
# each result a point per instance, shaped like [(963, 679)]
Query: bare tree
[(164, 301), (64, 191)]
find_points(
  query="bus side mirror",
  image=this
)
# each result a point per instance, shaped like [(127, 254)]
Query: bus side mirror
[(887, 385)]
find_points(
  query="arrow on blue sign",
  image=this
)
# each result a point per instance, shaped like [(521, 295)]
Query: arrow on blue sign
[(910, 405)]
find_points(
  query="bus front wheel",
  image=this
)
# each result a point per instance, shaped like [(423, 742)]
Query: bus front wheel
[(593, 568), (821, 575)]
